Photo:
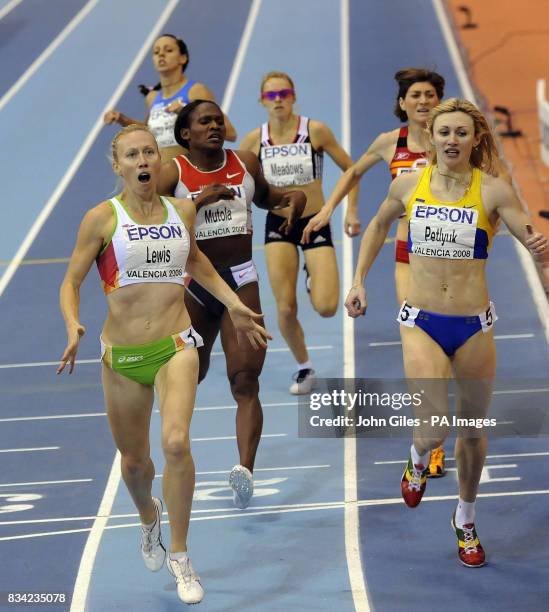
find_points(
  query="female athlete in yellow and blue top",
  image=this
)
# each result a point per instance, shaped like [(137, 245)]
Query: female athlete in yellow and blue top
[(457, 230), (447, 319)]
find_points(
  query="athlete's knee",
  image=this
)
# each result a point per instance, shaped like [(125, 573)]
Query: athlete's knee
[(245, 384), (176, 445), (327, 305), (287, 310), (134, 465)]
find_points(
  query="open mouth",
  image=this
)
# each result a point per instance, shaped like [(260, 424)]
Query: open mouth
[(144, 177), (451, 152), (215, 138)]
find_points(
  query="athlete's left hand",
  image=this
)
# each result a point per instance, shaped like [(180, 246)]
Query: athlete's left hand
[(316, 223), (211, 194), (73, 340), (295, 201), (357, 301), (536, 244), (245, 326), (351, 224)]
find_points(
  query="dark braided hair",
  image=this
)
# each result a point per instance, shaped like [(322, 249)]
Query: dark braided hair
[(184, 118), (407, 77), (145, 89)]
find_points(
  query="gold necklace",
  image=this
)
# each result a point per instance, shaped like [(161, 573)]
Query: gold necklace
[(455, 178)]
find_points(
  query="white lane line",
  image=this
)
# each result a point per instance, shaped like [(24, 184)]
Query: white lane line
[(233, 406), (85, 415), (269, 469), (9, 7), (258, 511), (357, 577), (272, 469), (500, 337), (58, 40), (513, 336), (216, 438), (67, 519), (28, 450), (485, 477), (538, 293), (322, 347), (504, 456), (500, 466), (82, 415), (40, 364), (81, 585), (388, 343), (44, 482), (398, 500), (42, 535), (515, 391), (240, 55)]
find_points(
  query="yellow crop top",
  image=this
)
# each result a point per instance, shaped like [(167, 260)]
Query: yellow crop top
[(448, 230)]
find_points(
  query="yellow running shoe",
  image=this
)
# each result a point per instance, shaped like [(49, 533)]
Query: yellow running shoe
[(436, 463)]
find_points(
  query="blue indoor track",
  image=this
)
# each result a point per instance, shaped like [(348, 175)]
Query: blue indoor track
[(326, 529)]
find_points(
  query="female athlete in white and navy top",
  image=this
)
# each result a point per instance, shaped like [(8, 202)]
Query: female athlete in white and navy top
[(143, 244), (167, 98), (223, 184), (291, 149)]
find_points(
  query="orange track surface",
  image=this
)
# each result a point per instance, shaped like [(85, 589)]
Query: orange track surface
[(508, 52)]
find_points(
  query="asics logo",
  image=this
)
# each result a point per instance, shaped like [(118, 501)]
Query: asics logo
[(319, 239), (130, 358), (230, 176), (274, 235)]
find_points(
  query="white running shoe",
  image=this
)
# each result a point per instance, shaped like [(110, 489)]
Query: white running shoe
[(242, 484), (305, 382), (152, 549), (189, 589)]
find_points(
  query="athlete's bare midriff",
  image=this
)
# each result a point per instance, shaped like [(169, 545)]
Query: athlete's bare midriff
[(145, 312), (448, 286)]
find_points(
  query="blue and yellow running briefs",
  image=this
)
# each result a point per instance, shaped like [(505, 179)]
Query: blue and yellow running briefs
[(141, 362), (450, 332)]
